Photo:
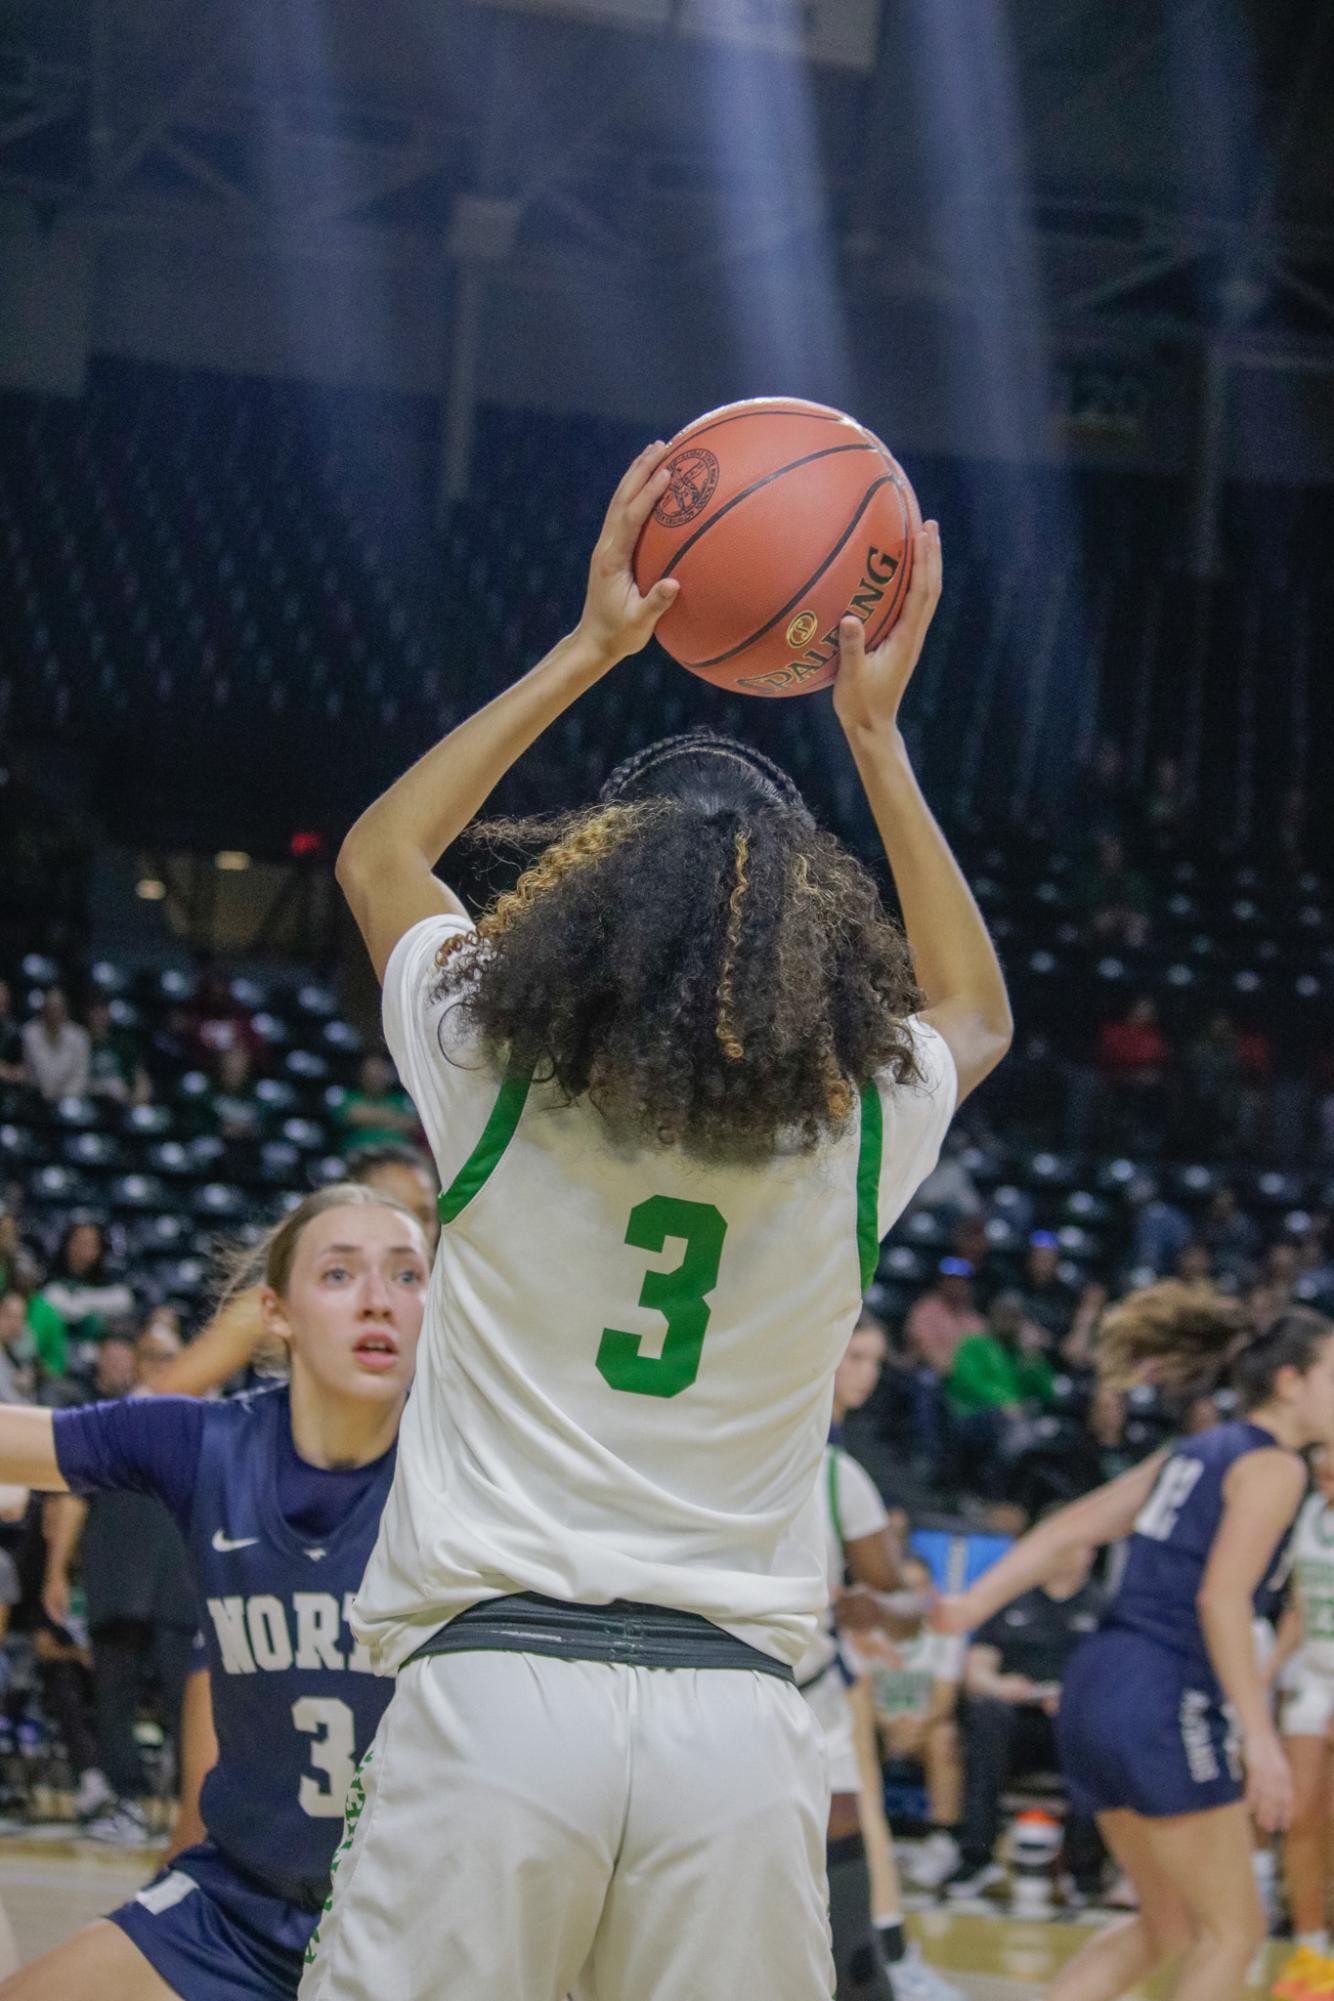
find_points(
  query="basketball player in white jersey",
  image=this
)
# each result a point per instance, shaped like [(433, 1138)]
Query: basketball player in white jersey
[(678, 1084)]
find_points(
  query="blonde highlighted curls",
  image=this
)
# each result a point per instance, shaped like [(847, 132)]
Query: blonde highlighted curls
[(707, 969), (1181, 1338), (589, 839), (728, 1040)]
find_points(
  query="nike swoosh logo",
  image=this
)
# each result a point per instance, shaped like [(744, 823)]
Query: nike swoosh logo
[(224, 1543)]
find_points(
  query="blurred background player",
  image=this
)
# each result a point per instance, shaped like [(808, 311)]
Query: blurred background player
[(278, 1495), (1151, 1703), (689, 1040)]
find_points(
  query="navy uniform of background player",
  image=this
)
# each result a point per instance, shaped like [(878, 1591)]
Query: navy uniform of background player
[(278, 1494), (1150, 1703)]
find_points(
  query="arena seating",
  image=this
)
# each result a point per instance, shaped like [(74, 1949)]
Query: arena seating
[(211, 573)]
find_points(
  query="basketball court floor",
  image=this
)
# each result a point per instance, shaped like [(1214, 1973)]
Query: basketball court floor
[(52, 1887)]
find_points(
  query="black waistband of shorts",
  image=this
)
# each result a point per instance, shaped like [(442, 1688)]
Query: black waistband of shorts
[(625, 1634)]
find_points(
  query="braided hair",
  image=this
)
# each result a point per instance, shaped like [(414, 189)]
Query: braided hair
[(694, 956)]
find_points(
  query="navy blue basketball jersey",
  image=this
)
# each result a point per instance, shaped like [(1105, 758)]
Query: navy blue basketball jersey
[(1170, 1544), (295, 1700)]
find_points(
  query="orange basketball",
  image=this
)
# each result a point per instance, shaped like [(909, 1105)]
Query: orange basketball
[(781, 517)]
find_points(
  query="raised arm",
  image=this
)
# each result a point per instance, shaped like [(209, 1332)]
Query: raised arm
[(385, 865), (1101, 1517), (956, 964)]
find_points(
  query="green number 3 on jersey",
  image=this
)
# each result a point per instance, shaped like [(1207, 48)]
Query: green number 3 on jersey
[(680, 1296)]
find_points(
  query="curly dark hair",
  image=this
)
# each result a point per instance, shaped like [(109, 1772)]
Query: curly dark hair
[(695, 956)]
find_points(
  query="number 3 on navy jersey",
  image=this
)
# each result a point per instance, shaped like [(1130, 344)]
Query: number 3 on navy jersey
[(334, 1753), (1176, 1483), (680, 1296)]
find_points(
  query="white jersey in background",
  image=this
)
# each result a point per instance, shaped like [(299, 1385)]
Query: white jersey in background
[(1313, 1580), (625, 1378), (850, 1507), (1307, 1681)]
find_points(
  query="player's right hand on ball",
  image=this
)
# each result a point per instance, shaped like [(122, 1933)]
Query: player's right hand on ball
[(616, 620), (1268, 1783), (869, 687)]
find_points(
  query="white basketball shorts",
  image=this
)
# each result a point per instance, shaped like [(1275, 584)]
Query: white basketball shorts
[(1307, 1705), (523, 1829)]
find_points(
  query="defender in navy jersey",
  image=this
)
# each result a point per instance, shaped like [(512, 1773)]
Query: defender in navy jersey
[(1164, 1726), (278, 1494)]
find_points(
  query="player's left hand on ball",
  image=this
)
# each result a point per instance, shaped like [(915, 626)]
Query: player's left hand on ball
[(1268, 1783), (869, 687), (616, 620)]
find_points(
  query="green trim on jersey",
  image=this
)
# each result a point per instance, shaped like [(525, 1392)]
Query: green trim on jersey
[(485, 1156), (869, 1153), (831, 1476)]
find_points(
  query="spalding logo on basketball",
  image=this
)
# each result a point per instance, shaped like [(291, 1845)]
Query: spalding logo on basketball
[(780, 518)]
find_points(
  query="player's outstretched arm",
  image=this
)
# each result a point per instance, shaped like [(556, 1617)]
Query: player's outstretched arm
[(28, 1449), (955, 961), (385, 865), (1101, 1517)]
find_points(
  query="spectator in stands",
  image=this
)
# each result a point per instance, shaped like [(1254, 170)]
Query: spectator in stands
[(915, 1683), (217, 1021), (237, 1109), (1113, 897), (56, 1050), (1134, 1058), (1194, 1263), (18, 1266), (91, 1302), (1161, 1231), (972, 1244), (1134, 1051), (18, 1351), (1012, 1687), (159, 1342), (1232, 1238), (12, 1069), (405, 1172), (378, 1112), (936, 1324), (1216, 1076), (114, 1067), (1048, 1301), (999, 1376)]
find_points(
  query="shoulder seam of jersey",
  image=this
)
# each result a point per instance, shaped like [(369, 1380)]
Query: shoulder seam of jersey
[(869, 1149), (485, 1156)]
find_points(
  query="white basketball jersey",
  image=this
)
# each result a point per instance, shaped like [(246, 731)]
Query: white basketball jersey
[(1313, 1570), (849, 1507), (625, 1376)]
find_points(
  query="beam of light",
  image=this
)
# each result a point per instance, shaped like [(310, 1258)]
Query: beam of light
[(1036, 706), (774, 275)]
